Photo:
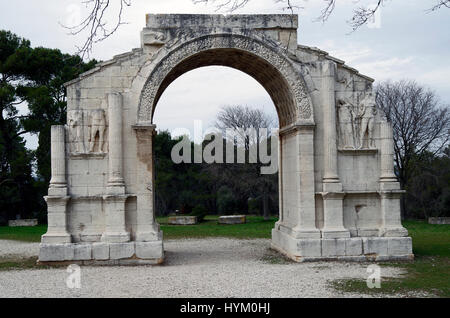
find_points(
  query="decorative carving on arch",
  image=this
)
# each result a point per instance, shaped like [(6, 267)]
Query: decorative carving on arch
[(300, 111)]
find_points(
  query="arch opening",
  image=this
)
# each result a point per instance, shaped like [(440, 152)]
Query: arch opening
[(263, 72)]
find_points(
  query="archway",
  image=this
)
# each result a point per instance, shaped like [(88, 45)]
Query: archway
[(287, 89), (101, 198)]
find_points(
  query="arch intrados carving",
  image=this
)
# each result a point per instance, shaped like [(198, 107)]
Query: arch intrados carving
[(264, 63)]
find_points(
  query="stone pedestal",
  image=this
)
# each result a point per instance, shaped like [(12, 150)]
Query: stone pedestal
[(127, 253), (57, 198), (359, 249)]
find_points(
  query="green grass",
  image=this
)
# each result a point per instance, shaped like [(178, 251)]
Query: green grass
[(256, 227), (429, 273), (23, 233), (7, 264)]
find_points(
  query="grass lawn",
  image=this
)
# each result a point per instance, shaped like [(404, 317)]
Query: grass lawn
[(256, 227), (23, 233), (430, 271)]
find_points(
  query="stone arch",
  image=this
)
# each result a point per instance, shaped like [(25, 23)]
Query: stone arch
[(264, 62)]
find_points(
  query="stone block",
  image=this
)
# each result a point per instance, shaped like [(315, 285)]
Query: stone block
[(121, 250), (183, 220), (375, 245), (232, 219), (100, 251), (149, 250), (353, 247), (82, 252), (441, 220), (399, 246), (333, 247), (309, 248), (52, 252), (23, 222)]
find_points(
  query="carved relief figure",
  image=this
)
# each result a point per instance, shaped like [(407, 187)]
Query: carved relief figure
[(97, 127), (346, 124), (156, 38), (75, 123), (366, 115)]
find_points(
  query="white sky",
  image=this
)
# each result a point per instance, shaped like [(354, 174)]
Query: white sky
[(409, 43)]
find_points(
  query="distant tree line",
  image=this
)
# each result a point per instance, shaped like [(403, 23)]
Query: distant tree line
[(217, 188), (32, 77)]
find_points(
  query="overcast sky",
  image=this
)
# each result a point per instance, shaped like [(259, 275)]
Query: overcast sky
[(406, 42)]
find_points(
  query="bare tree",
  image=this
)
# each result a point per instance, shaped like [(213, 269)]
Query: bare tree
[(96, 25), (440, 4), (243, 118), (420, 122)]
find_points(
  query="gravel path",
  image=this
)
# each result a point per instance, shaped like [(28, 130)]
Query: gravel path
[(193, 268)]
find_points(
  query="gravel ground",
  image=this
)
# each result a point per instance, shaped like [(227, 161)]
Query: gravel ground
[(193, 268), (12, 249)]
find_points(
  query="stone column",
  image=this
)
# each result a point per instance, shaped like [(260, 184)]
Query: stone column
[(333, 205), (115, 199), (115, 179), (58, 184), (306, 226), (57, 193), (297, 188), (147, 228), (390, 192), (329, 109), (387, 153), (280, 177)]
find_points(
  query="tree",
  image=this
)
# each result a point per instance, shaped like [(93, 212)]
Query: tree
[(248, 177), (46, 96), (16, 182), (33, 78), (428, 188), (96, 26), (420, 122)]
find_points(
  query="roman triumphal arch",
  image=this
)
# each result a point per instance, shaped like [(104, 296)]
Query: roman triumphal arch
[(339, 197)]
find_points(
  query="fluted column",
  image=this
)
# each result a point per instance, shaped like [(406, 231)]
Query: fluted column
[(58, 183), (115, 199), (329, 108), (333, 197), (390, 192), (115, 179), (57, 193), (387, 153)]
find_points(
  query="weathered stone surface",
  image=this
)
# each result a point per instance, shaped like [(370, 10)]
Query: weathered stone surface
[(232, 219), (82, 252), (149, 250), (23, 222), (121, 250), (182, 220), (100, 251), (441, 220), (375, 245), (333, 247), (52, 252)]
